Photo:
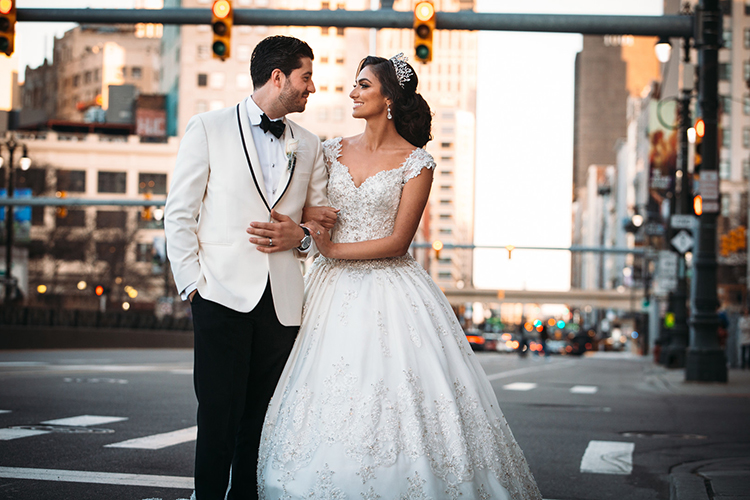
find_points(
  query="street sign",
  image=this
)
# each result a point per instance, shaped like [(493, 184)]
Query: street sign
[(665, 280), (710, 207), (709, 186), (683, 241), (683, 221)]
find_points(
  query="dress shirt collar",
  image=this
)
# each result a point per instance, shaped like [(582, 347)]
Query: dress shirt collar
[(254, 112)]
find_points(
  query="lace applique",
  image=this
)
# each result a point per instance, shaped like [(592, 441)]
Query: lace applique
[(324, 488), (382, 337), (414, 336), (419, 159), (416, 488), (370, 494), (348, 297)]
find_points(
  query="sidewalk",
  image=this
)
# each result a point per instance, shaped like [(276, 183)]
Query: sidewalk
[(715, 479)]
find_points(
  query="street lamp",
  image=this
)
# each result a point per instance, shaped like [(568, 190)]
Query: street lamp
[(24, 163), (663, 50)]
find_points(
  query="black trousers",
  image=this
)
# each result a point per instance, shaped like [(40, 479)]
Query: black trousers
[(239, 358)]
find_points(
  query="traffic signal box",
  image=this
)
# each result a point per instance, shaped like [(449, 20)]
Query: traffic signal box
[(221, 24), (424, 26), (7, 26), (700, 131)]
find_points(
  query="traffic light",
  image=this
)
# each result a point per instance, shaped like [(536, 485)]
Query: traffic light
[(99, 290), (697, 204), (424, 25), (221, 24), (437, 245), (700, 131), (510, 249), (7, 26)]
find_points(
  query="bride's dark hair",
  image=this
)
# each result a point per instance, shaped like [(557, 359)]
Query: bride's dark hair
[(411, 113)]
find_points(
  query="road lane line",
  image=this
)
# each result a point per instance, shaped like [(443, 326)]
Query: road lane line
[(5, 411), (158, 441), (530, 369), (4, 364), (608, 457), (8, 434), (584, 389), (520, 386), (84, 420), (74, 476)]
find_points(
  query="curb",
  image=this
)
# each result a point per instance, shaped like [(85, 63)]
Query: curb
[(687, 486)]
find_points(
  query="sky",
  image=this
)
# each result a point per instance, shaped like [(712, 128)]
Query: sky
[(524, 134)]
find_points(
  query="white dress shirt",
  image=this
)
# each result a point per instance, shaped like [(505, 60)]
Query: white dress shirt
[(272, 156)]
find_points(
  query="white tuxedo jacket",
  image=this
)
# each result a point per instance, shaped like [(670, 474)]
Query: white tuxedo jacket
[(217, 190)]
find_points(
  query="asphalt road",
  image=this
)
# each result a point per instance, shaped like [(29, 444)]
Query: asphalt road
[(119, 424)]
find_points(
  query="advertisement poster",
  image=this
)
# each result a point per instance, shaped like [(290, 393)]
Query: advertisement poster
[(21, 217), (662, 157)]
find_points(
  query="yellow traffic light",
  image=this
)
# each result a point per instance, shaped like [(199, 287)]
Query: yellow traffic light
[(7, 26), (698, 204), (437, 245), (424, 25), (509, 248), (221, 24), (700, 131)]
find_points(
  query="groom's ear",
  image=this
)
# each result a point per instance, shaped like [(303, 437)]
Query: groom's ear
[(277, 78)]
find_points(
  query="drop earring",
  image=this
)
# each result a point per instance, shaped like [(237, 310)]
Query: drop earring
[(389, 112)]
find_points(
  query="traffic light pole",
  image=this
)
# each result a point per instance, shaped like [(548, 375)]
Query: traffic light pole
[(706, 361)]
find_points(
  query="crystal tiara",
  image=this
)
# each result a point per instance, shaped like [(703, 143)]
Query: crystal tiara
[(403, 71)]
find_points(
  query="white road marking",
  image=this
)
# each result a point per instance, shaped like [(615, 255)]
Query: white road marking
[(530, 369), (5, 411), (608, 457), (584, 389), (3, 364), (8, 434), (520, 386), (74, 476), (159, 441), (84, 420), (182, 372)]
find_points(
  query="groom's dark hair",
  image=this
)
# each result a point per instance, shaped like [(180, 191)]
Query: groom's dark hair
[(277, 52)]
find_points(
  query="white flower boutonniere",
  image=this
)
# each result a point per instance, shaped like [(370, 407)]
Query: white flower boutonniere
[(291, 154)]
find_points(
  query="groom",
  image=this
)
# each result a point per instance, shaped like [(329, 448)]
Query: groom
[(238, 166)]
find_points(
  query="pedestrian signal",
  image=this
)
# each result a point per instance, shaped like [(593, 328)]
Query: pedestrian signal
[(700, 131), (99, 290), (698, 205), (7, 26), (221, 24), (424, 25)]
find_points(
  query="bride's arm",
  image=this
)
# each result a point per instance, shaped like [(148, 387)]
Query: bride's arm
[(413, 200)]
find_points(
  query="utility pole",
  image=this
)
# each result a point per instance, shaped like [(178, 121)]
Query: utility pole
[(674, 353), (706, 361)]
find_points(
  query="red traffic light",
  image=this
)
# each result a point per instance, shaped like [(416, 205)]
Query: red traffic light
[(221, 8), (6, 6), (99, 290)]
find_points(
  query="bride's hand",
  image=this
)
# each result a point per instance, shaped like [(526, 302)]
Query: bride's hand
[(322, 238), (325, 216)]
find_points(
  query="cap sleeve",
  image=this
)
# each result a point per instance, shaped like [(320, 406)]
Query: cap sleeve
[(331, 151), (419, 160)]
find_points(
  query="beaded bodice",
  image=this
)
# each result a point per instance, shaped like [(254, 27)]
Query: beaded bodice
[(368, 211)]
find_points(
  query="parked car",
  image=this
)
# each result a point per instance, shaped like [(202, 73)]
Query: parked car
[(476, 340)]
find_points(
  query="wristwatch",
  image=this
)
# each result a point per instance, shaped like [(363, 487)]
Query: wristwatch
[(304, 244)]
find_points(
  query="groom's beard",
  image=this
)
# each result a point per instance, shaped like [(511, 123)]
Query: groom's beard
[(293, 100)]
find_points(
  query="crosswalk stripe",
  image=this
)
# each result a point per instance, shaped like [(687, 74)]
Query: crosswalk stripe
[(608, 457), (159, 441), (74, 476), (520, 386), (5, 411), (584, 389), (8, 434), (84, 420)]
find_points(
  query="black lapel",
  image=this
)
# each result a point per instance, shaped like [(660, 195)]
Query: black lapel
[(250, 165)]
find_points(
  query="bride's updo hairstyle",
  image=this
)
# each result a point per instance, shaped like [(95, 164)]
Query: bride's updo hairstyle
[(411, 113)]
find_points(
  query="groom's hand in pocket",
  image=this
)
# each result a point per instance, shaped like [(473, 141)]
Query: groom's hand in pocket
[(279, 235)]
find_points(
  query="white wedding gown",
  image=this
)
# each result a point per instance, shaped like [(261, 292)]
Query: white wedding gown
[(382, 397)]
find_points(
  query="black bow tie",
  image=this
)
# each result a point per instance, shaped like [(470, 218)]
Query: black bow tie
[(276, 127)]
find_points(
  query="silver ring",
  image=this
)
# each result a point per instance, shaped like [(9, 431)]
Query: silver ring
[(270, 242), (318, 233)]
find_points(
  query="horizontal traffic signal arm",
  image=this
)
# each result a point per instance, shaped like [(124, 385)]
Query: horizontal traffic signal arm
[(668, 26)]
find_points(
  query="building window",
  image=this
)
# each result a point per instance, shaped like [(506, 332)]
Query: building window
[(203, 52), (726, 138), (243, 81), (746, 168), (338, 114), (445, 275), (727, 39), (746, 137), (216, 80), (446, 202), (71, 180), (202, 79), (725, 205), (244, 52), (201, 106), (445, 188), (144, 252), (746, 70), (152, 183), (69, 250), (322, 114), (446, 172), (324, 30), (340, 31), (339, 60), (111, 252), (76, 80), (215, 104), (725, 104), (747, 38), (325, 5), (725, 71), (339, 88), (446, 144), (112, 182), (111, 219), (136, 72), (323, 88), (71, 218), (446, 158), (445, 260), (725, 169), (746, 104), (445, 216), (323, 59), (445, 230), (87, 77)]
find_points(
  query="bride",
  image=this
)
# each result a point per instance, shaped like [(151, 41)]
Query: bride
[(382, 397)]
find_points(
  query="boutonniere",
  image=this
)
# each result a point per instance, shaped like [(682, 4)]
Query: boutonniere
[(291, 154)]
